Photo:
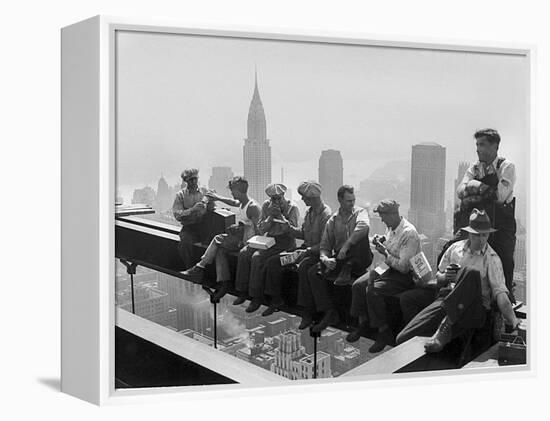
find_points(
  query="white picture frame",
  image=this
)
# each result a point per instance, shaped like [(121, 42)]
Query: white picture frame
[(88, 201)]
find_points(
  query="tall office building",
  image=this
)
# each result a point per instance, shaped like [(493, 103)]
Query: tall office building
[(164, 198), (220, 179), (256, 149), (288, 352), (331, 176), (427, 210), (462, 167)]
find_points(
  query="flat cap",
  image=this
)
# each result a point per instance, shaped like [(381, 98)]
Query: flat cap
[(310, 189), (189, 173), (275, 189), (387, 206)]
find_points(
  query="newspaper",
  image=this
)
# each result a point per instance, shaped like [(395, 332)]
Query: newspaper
[(290, 257), (422, 269)]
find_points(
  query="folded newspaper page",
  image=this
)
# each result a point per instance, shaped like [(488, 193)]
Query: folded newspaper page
[(290, 257)]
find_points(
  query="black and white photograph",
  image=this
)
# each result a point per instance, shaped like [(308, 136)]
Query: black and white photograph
[(317, 210)]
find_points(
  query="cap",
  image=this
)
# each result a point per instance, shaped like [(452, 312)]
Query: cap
[(310, 189), (275, 189)]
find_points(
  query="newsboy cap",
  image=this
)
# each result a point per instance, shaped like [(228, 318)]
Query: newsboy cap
[(189, 173), (387, 206), (310, 189), (275, 189)]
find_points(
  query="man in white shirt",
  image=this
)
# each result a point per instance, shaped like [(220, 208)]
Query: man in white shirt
[(368, 292), (245, 227), (489, 184), (470, 290)]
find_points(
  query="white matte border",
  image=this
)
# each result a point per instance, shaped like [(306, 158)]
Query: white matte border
[(108, 26)]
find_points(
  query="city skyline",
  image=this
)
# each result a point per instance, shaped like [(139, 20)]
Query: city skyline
[(372, 109)]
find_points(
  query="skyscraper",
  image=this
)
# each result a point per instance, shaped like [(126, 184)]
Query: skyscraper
[(164, 198), (220, 179), (331, 176), (427, 210), (256, 149), (462, 167)]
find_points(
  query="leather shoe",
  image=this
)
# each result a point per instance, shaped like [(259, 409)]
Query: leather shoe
[(221, 291), (239, 300), (306, 322), (270, 310), (441, 337), (344, 277), (355, 335), (254, 305), (330, 317), (195, 274), (383, 338)]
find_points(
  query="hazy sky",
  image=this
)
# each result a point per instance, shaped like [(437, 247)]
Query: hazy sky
[(183, 101)]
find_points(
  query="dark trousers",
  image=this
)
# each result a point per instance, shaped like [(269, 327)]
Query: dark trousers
[(189, 235), (503, 241), (313, 292), (251, 268), (463, 306), (275, 272), (413, 301), (390, 283)]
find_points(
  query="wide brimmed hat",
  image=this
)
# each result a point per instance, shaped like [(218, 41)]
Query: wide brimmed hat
[(479, 223)]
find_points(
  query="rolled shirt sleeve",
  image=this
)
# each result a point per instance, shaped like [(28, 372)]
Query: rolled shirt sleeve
[(362, 221), (495, 274), (327, 239), (468, 176)]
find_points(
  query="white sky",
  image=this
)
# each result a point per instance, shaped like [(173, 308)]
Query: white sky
[(183, 101)]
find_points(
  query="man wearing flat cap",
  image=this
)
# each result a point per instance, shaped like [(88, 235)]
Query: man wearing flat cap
[(278, 217), (317, 215), (369, 291), (189, 207), (344, 253), (467, 293)]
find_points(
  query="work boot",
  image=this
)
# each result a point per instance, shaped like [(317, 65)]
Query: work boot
[(276, 302), (195, 274), (356, 334), (441, 337), (330, 317), (221, 291), (307, 320), (240, 299), (344, 277), (384, 337), (254, 305)]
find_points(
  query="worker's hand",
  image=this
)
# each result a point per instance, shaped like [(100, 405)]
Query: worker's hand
[(329, 262), (381, 248), (275, 211), (342, 254), (450, 274), (211, 194)]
